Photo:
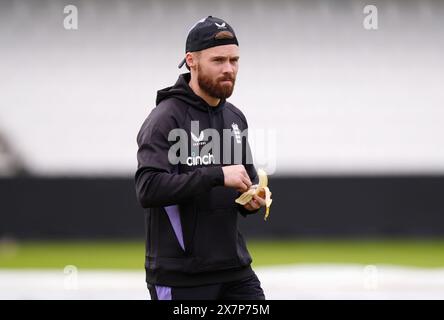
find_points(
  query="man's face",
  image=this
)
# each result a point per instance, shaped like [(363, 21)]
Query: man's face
[(217, 69)]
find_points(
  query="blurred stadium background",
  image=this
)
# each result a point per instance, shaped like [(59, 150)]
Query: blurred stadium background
[(358, 145)]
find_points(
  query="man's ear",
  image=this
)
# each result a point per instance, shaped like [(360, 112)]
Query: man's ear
[(191, 59)]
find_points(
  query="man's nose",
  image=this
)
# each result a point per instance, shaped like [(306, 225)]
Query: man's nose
[(228, 68)]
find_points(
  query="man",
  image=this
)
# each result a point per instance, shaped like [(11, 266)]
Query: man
[(193, 247)]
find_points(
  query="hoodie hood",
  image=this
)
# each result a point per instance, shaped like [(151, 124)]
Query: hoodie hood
[(182, 91)]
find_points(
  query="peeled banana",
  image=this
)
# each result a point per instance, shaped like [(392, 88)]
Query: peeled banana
[(258, 189)]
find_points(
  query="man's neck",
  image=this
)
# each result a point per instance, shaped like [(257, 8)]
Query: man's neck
[(212, 101)]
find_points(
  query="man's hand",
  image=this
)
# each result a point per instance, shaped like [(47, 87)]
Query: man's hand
[(257, 202), (236, 177)]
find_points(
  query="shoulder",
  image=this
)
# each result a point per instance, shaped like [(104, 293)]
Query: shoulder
[(236, 112), (167, 115), (168, 110)]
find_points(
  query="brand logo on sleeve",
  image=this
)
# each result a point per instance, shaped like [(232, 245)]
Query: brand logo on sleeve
[(237, 133)]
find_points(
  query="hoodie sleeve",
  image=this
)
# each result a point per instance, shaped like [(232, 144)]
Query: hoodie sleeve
[(157, 183)]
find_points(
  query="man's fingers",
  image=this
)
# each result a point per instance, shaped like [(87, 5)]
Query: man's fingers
[(250, 208), (246, 181), (253, 205), (247, 177), (256, 205), (259, 200), (242, 187)]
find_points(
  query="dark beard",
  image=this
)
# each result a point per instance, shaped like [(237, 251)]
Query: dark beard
[(213, 87)]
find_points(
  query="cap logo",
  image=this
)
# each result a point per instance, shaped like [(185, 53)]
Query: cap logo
[(221, 26)]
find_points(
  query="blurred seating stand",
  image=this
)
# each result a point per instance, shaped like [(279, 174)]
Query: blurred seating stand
[(11, 164)]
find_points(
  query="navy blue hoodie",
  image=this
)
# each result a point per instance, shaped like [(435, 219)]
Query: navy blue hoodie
[(192, 235)]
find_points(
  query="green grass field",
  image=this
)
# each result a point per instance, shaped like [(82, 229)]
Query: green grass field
[(130, 255)]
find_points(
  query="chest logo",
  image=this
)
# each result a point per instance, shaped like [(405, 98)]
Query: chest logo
[(197, 139)]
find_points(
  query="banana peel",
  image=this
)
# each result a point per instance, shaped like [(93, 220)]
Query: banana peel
[(258, 189)]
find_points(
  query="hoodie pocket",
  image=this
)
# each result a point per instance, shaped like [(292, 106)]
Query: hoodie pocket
[(163, 240), (215, 240), (216, 200)]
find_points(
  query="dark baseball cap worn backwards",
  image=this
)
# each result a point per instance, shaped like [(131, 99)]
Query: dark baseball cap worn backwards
[(209, 32)]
